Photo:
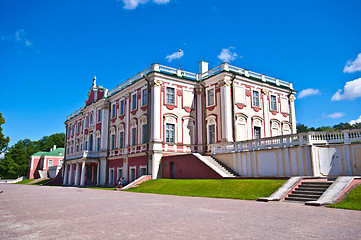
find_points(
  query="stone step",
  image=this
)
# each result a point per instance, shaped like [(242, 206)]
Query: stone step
[(311, 188), (309, 192), (296, 194), (301, 199), (315, 184)]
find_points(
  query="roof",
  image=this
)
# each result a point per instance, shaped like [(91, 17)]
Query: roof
[(56, 152)]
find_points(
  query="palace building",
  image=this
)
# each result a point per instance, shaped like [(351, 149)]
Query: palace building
[(165, 112)]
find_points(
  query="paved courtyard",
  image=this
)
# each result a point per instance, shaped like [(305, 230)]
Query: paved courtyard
[(42, 212)]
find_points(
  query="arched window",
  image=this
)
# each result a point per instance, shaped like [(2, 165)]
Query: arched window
[(241, 127), (211, 129)]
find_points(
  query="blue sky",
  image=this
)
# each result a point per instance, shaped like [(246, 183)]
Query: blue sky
[(50, 51)]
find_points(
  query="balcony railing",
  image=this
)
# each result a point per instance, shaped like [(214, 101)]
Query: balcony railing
[(301, 139), (86, 154)]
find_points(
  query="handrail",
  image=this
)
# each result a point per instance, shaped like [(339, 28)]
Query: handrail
[(300, 139)]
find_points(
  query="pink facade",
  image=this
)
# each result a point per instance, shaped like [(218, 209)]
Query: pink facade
[(40, 163), (162, 111)]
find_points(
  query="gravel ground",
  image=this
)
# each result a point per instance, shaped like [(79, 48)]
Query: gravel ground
[(42, 212)]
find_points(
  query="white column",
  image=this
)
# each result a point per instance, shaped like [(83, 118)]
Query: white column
[(226, 111), (125, 169), (103, 171), (104, 129), (156, 105), (126, 129), (292, 114), (98, 171), (82, 178), (155, 165), (77, 174), (70, 174), (65, 176), (199, 117), (266, 121)]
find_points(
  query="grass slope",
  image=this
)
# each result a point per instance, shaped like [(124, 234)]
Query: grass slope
[(25, 181), (352, 201), (224, 188)]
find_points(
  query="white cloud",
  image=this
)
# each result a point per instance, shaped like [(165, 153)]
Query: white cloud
[(20, 36), (227, 56), (352, 122), (353, 66), (308, 92), (133, 4), (175, 55), (351, 91), (336, 115)]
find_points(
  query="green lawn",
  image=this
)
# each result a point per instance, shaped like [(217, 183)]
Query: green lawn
[(25, 181), (248, 189), (42, 182), (352, 201)]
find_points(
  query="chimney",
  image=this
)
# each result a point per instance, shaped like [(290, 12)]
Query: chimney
[(54, 147), (94, 81), (203, 66)]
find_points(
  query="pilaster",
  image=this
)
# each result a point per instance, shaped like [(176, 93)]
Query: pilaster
[(226, 110)]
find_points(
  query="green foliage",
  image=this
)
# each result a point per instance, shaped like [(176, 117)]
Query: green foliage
[(4, 141), (248, 189), (352, 201), (17, 158), (341, 126)]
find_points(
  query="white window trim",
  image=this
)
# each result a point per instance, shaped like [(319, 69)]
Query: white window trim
[(136, 100), (118, 168), (135, 172), (109, 175), (171, 119), (120, 106), (270, 104), (211, 120), (259, 99), (211, 88), (52, 162), (142, 167), (260, 125), (142, 96), (174, 96), (99, 118), (114, 110)]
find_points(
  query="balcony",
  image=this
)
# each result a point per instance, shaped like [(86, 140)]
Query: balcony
[(86, 154)]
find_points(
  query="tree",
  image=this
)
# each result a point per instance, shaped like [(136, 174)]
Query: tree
[(16, 160), (4, 141)]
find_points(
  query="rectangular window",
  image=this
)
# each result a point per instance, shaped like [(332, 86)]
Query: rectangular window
[(145, 97), (257, 133), (120, 173), (134, 102), (212, 133), (255, 98), (87, 121), (91, 118), (134, 136), (78, 127), (112, 142), (82, 125), (98, 144), (121, 107), (169, 99), (50, 164), (273, 103), (86, 145), (169, 134), (99, 115), (72, 130), (77, 148), (121, 139), (144, 133), (114, 111), (210, 99)]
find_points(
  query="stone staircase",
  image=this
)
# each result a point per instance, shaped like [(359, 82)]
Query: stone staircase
[(308, 191), (217, 166)]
